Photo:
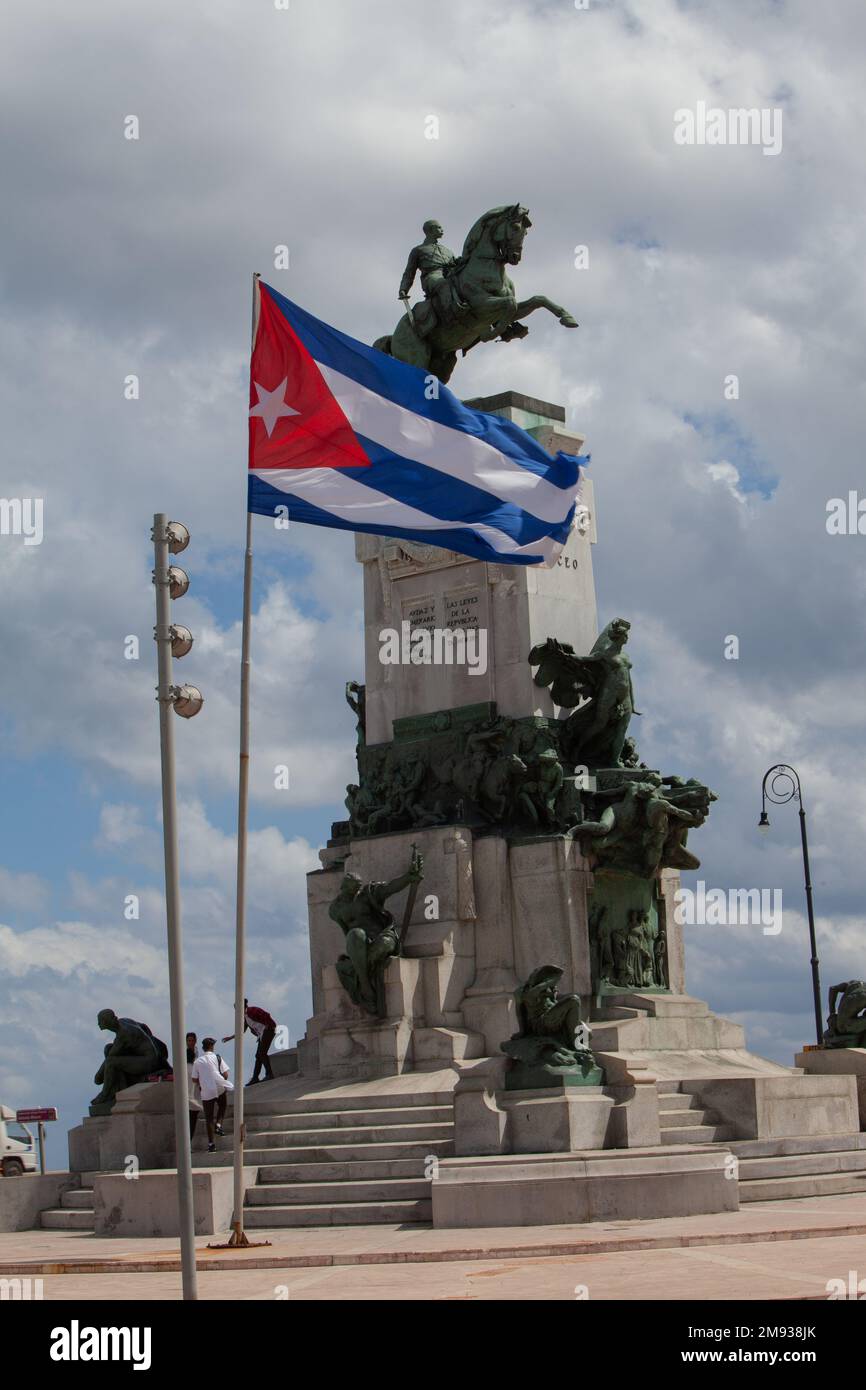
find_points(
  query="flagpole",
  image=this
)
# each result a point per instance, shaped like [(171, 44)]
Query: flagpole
[(238, 1236)]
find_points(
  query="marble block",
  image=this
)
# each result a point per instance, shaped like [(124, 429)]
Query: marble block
[(838, 1061)]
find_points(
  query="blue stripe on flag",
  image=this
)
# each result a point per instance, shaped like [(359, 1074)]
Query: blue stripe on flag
[(264, 499), (450, 499), (404, 385)]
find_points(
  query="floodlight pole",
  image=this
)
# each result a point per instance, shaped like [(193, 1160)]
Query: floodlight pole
[(172, 905)]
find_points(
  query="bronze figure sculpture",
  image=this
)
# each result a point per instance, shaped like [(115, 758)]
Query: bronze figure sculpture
[(469, 299), (846, 1026), (372, 936), (134, 1054), (599, 685), (551, 1046)]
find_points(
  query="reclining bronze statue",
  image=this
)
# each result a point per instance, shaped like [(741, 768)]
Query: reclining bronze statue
[(551, 1047), (846, 1026), (134, 1054)]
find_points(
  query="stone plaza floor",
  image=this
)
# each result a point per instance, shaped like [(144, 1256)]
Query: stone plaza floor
[(772, 1250)]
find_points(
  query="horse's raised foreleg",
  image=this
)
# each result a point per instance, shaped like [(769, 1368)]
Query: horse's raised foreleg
[(540, 301)]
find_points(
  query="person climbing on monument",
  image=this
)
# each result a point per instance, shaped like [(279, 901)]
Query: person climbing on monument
[(191, 1057), (211, 1074), (259, 1022)]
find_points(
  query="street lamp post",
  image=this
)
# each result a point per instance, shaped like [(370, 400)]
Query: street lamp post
[(171, 582), (782, 784)]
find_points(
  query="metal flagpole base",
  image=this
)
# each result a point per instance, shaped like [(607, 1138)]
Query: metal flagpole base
[(238, 1240)]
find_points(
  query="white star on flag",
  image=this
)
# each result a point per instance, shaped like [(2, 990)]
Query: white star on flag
[(272, 405)]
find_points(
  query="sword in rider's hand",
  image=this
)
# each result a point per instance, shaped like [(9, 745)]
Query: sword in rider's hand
[(417, 862), (404, 298)]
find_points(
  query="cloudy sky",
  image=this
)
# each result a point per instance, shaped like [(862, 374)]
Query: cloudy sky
[(306, 126)]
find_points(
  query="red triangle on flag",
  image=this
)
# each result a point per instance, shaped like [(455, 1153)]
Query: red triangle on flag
[(295, 421)]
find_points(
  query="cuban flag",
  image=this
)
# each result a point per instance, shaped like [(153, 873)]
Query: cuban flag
[(342, 435)]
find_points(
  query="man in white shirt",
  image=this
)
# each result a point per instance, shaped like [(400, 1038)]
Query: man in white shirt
[(211, 1073)]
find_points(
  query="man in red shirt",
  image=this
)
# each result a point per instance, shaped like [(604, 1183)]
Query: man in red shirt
[(259, 1021)]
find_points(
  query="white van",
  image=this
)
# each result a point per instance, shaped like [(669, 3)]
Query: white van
[(17, 1146)]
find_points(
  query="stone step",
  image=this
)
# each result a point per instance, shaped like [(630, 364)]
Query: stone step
[(797, 1144), (605, 1036), (346, 1119), (383, 1100), (80, 1198), (358, 1134), (795, 1165), (660, 1005), (438, 1047), (67, 1219), (327, 1153), (359, 1170), (349, 1214), (687, 1116), (807, 1185), (285, 1063), (669, 1088), (677, 1101), (613, 1014), (337, 1193), (695, 1134)]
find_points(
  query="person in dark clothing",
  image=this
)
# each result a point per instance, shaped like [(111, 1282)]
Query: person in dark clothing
[(191, 1054), (259, 1022)]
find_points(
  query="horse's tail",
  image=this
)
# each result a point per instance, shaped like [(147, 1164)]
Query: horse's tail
[(383, 344)]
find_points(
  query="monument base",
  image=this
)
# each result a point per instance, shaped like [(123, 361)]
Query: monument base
[(521, 1077), (147, 1206), (141, 1122), (838, 1061), (490, 1119), (573, 1188)]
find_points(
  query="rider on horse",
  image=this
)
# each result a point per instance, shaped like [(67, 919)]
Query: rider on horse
[(434, 262)]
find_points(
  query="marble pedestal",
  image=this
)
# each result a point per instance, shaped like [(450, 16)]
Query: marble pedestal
[(516, 606), (141, 1124), (487, 912), (838, 1061), (573, 1188)]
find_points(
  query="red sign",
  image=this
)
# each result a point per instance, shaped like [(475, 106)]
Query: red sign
[(29, 1117)]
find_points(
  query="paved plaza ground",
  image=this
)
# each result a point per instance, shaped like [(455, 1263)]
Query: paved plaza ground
[(772, 1250)]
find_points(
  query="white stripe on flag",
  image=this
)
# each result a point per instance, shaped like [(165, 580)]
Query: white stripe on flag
[(334, 491), (450, 451)]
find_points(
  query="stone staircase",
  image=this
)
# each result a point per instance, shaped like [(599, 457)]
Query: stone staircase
[(75, 1212), (769, 1170), (343, 1160), (773, 1170), (678, 1032), (682, 1120)]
